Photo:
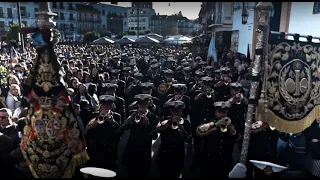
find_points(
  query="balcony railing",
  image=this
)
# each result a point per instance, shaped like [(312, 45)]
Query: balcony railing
[(25, 15)]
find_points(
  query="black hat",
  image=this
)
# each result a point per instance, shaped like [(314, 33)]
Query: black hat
[(224, 70), (179, 87), (236, 85), (126, 68), (107, 99), (142, 98), (110, 85), (175, 104), (168, 71), (202, 63), (198, 58), (156, 65), (153, 61), (207, 79), (209, 68), (199, 73), (115, 71), (147, 85), (221, 106), (137, 75), (187, 69), (217, 71)]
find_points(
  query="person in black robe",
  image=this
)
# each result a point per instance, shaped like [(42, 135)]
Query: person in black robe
[(313, 156), (218, 139), (222, 88), (103, 135), (142, 124), (153, 75), (174, 132)]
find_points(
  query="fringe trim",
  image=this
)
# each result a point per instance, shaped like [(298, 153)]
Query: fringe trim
[(76, 160), (283, 125)]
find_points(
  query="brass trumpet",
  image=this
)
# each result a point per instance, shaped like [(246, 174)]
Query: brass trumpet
[(239, 98), (209, 93), (138, 117), (175, 123), (224, 128)]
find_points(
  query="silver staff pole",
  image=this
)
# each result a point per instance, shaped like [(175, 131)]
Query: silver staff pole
[(264, 12)]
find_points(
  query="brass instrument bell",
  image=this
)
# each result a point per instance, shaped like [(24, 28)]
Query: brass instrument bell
[(224, 128)]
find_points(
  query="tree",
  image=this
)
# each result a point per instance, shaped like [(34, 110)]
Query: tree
[(91, 36), (195, 33), (104, 33), (121, 34), (13, 32), (148, 31), (132, 33)]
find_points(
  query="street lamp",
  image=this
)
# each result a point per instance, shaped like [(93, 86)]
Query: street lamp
[(244, 14), (13, 7)]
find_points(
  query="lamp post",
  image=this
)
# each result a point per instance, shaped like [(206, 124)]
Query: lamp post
[(13, 7), (20, 26), (244, 14)]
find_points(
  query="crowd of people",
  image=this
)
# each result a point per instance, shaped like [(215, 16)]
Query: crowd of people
[(167, 92)]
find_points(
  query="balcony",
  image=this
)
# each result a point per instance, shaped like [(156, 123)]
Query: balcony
[(227, 20)]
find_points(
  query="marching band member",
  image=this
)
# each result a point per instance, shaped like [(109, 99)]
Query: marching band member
[(219, 135), (222, 88), (110, 89), (142, 123), (238, 107), (115, 78), (103, 135), (173, 132), (178, 95)]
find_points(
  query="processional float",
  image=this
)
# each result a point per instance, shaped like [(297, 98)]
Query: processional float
[(52, 144), (285, 87)]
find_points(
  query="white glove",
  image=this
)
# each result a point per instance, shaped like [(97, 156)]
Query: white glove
[(238, 171)]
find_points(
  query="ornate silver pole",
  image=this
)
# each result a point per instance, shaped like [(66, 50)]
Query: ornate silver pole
[(264, 12)]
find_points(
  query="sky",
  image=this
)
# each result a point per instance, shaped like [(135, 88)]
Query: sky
[(188, 9)]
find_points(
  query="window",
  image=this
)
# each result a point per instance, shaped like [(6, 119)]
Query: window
[(70, 6), (125, 14), (71, 17), (103, 12), (125, 23), (1, 24), (143, 28), (9, 12), (144, 12), (71, 27), (316, 8), (143, 20), (61, 5), (36, 9), (54, 4), (25, 23), (61, 16), (23, 11)]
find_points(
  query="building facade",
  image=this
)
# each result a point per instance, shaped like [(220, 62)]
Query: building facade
[(9, 15), (73, 18), (114, 18), (66, 19), (139, 16), (172, 25)]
